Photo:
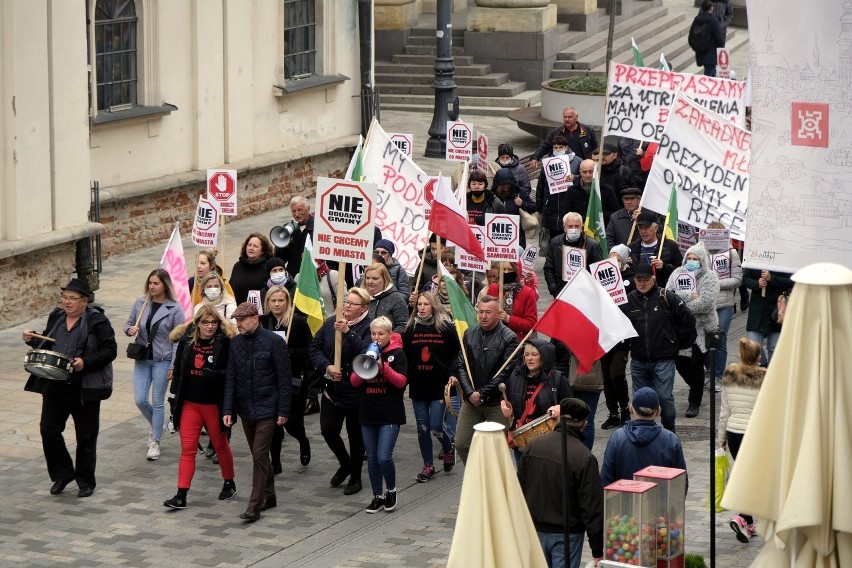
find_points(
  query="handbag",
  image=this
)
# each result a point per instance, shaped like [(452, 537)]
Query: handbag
[(722, 471), (529, 221), (137, 351)]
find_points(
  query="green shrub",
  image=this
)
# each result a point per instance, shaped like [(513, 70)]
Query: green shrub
[(695, 561), (584, 84)]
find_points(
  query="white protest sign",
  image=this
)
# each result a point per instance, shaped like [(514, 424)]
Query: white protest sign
[(482, 151), (723, 63), (404, 142), (557, 170), (528, 257), (640, 97), (502, 234), (343, 227), (573, 261), (687, 235), (222, 188), (205, 226), (459, 141), (708, 158), (721, 264), (715, 239), (608, 275), (684, 282), (467, 261), (402, 198), (253, 297)]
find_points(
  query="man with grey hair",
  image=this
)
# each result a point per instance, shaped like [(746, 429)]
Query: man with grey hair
[(578, 195), (558, 248), (581, 138), (300, 208)]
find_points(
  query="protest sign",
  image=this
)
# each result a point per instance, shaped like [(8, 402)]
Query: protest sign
[(405, 142), (401, 198), (343, 230), (684, 282), (721, 264), (687, 235), (459, 141), (465, 260), (715, 239), (639, 98), (528, 257), (723, 63), (573, 261), (482, 151), (557, 170), (205, 227), (608, 275), (253, 297), (222, 188), (502, 234), (708, 159)]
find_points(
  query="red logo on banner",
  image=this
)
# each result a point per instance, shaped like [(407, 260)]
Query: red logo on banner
[(809, 124)]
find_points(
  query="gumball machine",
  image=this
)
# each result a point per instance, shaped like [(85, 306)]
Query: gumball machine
[(671, 511), (630, 524)]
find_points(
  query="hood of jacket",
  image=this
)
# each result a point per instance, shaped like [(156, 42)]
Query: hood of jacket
[(186, 328), (394, 343), (642, 432), (513, 164), (698, 250), (743, 376), (547, 352)]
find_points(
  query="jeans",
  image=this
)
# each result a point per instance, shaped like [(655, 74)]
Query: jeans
[(450, 421), (725, 317), (659, 375), (430, 418), (554, 550), (150, 377), (771, 342), (379, 441), (592, 399)]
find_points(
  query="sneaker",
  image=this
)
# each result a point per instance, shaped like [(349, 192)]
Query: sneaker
[(692, 411), (613, 421), (153, 450), (718, 386), (450, 460), (229, 489), (741, 529), (375, 505), (176, 502), (427, 474), (390, 500)]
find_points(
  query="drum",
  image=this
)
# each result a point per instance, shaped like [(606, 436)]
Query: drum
[(48, 364), (534, 429)]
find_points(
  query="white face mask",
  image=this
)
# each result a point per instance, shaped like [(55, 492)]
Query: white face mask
[(212, 293), (278, 278), (573, 234), (559, 152), (505, 162)]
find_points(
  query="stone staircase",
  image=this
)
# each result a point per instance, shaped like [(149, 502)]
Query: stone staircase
[(405, 82)]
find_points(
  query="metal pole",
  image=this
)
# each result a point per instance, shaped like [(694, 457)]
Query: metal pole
[(566, 547), (365, 37), (444, 83), (712, 388)]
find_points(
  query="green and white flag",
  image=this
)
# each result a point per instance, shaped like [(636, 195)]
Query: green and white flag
[(307, 297), (637, 56), (464, 314), (594, 225)]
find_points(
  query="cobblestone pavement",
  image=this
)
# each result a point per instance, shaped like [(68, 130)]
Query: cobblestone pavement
[(124, 523)]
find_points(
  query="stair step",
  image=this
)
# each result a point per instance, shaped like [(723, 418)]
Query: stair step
[(489, 80), (468, 101), (478, 69), (684, 62), (461, 60), (431, 40), (467, 112), (430, 50), (651, 36), (597, 42), (508, 89)]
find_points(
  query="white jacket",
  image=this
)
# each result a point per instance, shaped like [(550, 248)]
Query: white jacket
[(740, 386)]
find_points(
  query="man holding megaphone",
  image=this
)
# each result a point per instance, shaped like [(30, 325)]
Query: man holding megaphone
[(289, 239)]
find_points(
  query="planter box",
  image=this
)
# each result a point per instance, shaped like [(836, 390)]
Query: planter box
[(589, 107)]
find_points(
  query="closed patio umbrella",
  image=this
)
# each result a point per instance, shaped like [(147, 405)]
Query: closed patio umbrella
[(794, 468)]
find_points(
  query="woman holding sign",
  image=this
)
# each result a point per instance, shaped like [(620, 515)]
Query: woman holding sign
[(726, 265), (518, 312)]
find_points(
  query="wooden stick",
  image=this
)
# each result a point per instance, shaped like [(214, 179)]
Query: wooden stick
[(420, 270), (46, 338), (633, 228), (338, 314), (467, 364), (221, 240), (500, 286), (290, 324), (515, 352), (438, 250)]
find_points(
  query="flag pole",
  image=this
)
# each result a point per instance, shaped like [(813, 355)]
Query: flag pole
[(515, 352), (466, 363), (222, 236), (338, 314), (500, 287), (633, 228), (290, 324), (420, 270)]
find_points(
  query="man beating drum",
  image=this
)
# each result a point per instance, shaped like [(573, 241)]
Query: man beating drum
[(73, 377)]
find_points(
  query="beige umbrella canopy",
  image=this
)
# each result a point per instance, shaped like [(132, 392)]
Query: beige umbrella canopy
[(493, 528), (794, 468)]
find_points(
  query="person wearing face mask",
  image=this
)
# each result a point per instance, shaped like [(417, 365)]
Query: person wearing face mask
[(554, 206), (205, 264), (573, 237), (519, 311), (506, 158), (578, 194), (699, 293), (481, 201), (215, 294), (278, 276), (514, 197)]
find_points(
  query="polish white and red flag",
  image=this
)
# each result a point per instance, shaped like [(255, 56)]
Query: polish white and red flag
[(174, 262), (585, 318), (449, 221)]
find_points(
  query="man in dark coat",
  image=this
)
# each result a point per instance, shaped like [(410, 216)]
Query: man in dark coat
[(581, 138), (709, 28), (621, 222), (572, 237), (84, 334), (646, 249), (292, 253), (578, 194)]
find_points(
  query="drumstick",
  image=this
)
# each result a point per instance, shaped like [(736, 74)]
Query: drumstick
[(502, 387), (46, 338)]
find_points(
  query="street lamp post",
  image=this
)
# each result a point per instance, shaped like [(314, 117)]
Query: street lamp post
[(444, 83)]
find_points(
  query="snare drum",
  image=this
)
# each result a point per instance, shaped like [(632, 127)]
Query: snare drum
[(534, 429), (48, 364)]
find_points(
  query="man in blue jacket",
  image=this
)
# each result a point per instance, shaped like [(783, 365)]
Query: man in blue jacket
[(257, 387), (641, 442)]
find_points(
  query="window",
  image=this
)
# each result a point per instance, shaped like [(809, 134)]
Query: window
[(300, 51), (115, 54)]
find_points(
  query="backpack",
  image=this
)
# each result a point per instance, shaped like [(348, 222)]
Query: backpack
[(700, 37)]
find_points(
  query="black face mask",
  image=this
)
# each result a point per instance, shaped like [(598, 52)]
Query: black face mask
[(509, 278)]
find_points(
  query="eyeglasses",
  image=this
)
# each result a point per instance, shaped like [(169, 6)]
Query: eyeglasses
[(65, 298), (348, 303), (208, 323)]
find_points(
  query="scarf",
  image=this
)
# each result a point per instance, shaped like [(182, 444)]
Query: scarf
[(425, 321), (509, 293), (357, 320)]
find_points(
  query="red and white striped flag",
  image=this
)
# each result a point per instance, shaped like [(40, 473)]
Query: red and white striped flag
[(448, 220), (174, 262)]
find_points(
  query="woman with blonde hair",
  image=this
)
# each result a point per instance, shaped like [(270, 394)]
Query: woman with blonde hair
[(385, 300), (215, 292), (740, 386), (199, 386), (204, 265)]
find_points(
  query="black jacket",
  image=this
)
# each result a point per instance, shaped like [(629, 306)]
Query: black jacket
[(257, 381), (247, 275), (618, 228), (555, 387), (582, 144), (553, 260), (708, 57), (476, 211), (183, 363), (505, 175), (578, 200), (391, 304), (292, 253), (662, 327), (341, 392), (95, 379), (298, 341), (540, 476), (553, 206), (617, 175), (486, 353)]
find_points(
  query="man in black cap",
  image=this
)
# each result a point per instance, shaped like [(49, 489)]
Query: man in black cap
[(646, 250), (257, 387), (540, 475), (621, 222), (613, 170), (85, 335)]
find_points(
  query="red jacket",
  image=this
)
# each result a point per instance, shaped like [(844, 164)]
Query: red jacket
[(524, 311)]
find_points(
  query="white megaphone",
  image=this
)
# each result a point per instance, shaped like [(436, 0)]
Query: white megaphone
[(366, 366), (281, 235)]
